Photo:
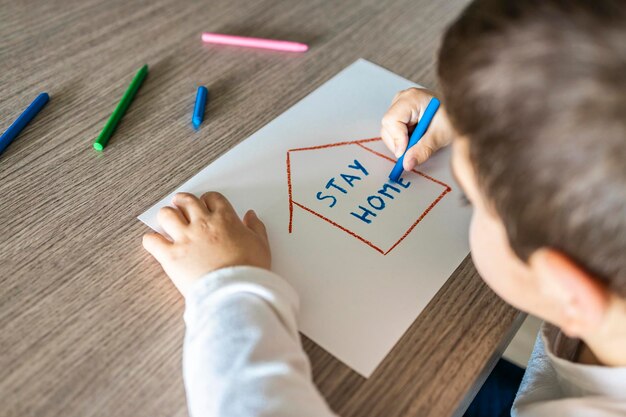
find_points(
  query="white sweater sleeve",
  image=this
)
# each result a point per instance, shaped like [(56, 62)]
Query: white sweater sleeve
[(242, 354)]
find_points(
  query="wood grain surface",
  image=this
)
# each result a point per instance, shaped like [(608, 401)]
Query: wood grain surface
[(89, 324)]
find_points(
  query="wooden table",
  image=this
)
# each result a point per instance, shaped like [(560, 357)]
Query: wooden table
[(89, 324)]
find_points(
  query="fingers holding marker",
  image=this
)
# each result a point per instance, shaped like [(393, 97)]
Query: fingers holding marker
[(438, 136), (407, 163), (396, 143), (419, 153), (395, 127)]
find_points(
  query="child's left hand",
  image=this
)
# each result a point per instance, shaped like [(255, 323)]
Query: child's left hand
[(207, 235)]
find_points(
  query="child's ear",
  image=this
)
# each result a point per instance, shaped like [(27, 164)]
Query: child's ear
[(581, 300)]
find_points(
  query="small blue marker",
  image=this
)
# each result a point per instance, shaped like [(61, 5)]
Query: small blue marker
[(198, 110), (20, 123), (417, 134)]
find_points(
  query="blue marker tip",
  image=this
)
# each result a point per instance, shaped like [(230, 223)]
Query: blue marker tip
[(198, 111), (20, 123), (417, 134)]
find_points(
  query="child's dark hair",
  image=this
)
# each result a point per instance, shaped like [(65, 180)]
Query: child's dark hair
[(539, 89)]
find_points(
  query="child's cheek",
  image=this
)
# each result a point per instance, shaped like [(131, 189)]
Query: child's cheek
[(489, 254), (478, 246)]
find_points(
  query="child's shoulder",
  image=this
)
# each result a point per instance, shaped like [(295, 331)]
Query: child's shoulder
[(555, 384)]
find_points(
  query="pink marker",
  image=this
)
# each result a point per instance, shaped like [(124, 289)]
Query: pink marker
[(254, 42)]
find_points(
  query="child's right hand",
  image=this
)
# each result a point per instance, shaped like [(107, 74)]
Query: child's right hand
[(406, 109)]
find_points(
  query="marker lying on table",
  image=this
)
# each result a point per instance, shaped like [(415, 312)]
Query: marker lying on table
[(287, 46), (198, 110), (20, 123), (417, 134), (122, 106)]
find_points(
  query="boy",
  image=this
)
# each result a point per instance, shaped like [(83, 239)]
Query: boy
[(535, 109)]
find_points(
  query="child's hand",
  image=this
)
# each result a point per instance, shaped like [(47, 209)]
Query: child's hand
[(207, 235), (406, 109)]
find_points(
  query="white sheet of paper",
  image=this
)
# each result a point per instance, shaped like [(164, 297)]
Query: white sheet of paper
[(361, 284)]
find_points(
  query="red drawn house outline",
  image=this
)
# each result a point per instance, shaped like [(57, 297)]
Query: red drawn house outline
[(360, 143)]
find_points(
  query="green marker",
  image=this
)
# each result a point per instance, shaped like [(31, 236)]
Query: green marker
[(122, 106)]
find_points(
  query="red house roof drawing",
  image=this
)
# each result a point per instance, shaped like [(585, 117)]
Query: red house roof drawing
[(360, 146)]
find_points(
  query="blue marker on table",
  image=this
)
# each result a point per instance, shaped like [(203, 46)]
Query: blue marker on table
[(417, 134), (20, 123), (198, 111)]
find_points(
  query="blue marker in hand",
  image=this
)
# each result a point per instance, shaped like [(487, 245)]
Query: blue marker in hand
[(198, 111), (417, 134)]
